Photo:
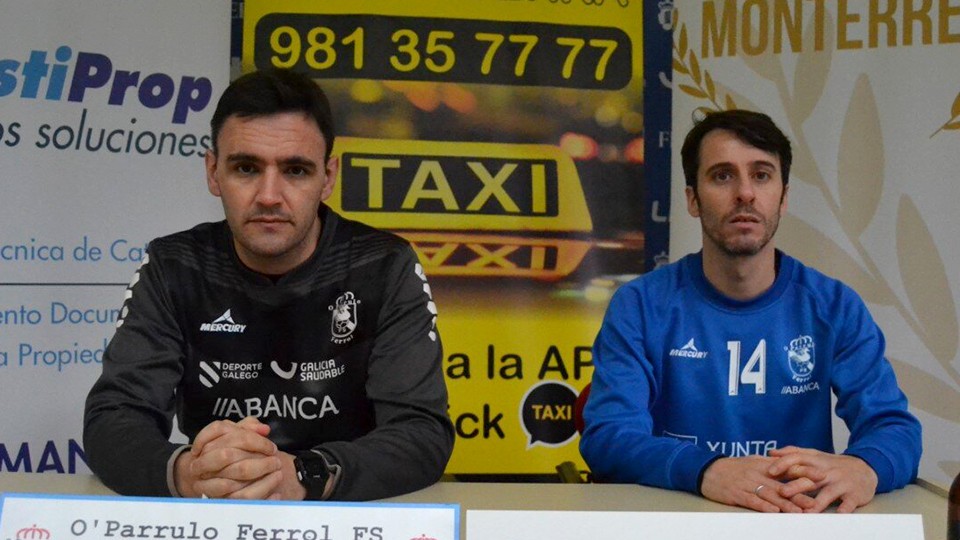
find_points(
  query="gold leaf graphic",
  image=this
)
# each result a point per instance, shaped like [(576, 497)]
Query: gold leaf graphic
[(741, 101), (861, 160), (927, 392), (954, 122), (813, 67), (711, 89), (925, 282), (695, 68), (705, 87), (693, 91), (817, 250), (682, 46)]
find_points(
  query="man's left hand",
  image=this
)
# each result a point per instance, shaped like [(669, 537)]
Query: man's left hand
[(846, 479), (237, 461)]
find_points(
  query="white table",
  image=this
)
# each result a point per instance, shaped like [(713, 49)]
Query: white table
[(508, 496)]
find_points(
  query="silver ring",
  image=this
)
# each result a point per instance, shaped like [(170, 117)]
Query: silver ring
[(756, 490)]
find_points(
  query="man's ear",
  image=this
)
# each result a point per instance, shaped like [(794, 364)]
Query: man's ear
[(332, 170), (210, 163), (693, 202)]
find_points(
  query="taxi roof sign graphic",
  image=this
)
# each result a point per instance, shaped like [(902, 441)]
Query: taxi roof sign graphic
[(457, 186), (459, 254)]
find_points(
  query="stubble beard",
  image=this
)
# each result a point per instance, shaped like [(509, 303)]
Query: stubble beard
[(285, 248), (737, 246)]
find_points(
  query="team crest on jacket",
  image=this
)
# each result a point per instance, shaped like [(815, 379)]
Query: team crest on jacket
[(344, 318), (801, 357)]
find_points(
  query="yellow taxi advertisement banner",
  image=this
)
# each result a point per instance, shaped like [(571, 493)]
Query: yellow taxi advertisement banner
[(504, 140)]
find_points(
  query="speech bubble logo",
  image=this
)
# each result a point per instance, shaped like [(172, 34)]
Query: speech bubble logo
[(546, 414)]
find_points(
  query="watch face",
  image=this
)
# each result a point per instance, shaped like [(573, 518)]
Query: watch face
[(314, 472), (311, 470)]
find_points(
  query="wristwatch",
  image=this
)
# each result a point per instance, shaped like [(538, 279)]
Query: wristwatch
[(313, 472)]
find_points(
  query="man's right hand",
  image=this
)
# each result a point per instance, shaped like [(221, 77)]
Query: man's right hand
[(230, 459), (737, 481)]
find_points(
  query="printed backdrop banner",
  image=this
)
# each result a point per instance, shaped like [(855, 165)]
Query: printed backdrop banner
[(504, 141), (104, 112), (870, 96)]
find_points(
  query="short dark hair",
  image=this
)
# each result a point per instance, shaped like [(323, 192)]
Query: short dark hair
[(274, 91), (753, 128)]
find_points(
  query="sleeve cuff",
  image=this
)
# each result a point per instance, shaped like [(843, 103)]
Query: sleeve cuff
[(880, 465), (702, 471), (171, 478), (335, 470), (686, 469)]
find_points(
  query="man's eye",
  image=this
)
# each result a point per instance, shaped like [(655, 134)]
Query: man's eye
[(246, 168), (762, 175), (297, 171), (722, 176)]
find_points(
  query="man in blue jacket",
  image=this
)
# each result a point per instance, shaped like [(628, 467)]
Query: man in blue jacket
[(714, 374)]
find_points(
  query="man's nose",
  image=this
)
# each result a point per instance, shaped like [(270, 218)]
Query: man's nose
[(745, 191), (269, 192)]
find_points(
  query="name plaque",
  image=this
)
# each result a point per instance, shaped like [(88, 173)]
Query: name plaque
[(69, 517)]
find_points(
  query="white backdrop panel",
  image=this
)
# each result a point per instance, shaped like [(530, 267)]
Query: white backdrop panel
[(104, 116)]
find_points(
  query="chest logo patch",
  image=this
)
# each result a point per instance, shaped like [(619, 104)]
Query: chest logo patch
[(688, 351), (343, 320), (283, 374), (802, 358), (223, 324)]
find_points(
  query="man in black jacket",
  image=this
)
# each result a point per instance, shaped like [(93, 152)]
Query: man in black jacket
[(297, 349)]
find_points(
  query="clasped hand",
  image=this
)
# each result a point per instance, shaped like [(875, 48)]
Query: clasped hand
[(236, 460), (791, 479)]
